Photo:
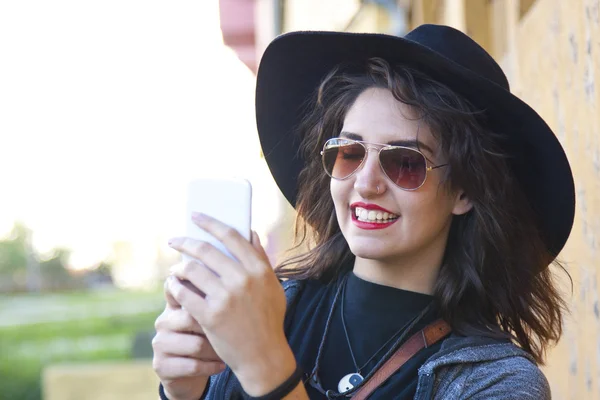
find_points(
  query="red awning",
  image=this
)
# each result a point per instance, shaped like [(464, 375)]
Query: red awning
[(238, 27)]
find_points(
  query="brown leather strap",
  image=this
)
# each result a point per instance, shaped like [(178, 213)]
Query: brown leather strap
[(424, 338)]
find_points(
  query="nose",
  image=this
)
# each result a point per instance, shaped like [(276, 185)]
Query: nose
[(369, 180)]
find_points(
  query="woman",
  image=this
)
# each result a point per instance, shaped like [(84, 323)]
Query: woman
[(431, 200)]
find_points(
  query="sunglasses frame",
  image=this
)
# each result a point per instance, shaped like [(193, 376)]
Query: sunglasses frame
[(368, 145)]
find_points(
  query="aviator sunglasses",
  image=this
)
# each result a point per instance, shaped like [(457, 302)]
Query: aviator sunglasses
[(405, 166)]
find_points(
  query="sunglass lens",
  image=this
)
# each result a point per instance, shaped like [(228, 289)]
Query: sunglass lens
[(405, 167), (342, 157)]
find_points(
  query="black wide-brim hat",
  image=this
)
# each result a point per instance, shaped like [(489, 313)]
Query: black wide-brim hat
[(294, 64)]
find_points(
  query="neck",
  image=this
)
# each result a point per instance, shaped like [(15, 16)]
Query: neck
[(414, 272)]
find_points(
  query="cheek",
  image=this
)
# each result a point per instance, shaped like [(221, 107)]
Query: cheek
[(338, 194), (428, 211)]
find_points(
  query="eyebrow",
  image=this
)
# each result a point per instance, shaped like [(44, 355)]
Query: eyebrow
[(417, 144)]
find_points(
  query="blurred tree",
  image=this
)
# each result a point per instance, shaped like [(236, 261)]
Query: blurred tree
[(99, 276), (104, 269), (22, 269), (15, 258), (54, 272), (13, 250)]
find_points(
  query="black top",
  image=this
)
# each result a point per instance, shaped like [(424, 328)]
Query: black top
[(373, 314)]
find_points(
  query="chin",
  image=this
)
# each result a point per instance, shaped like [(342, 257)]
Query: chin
[(370, 251)]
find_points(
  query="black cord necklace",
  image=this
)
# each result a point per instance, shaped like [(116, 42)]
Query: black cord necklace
[(313, 379), (353, 379)]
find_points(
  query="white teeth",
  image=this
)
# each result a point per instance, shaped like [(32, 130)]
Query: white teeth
[(365, 215)]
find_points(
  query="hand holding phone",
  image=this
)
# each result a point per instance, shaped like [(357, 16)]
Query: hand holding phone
[(243, 311)]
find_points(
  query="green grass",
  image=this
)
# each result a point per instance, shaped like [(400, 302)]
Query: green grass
[(102, 328)]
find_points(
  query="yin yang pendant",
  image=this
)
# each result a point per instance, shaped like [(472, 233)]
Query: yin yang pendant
[(349, 382)]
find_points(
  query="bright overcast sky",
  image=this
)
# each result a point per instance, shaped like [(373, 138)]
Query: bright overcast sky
[(107, 109)]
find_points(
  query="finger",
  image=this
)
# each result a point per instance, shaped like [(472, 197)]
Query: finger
[(200, 276), (258, 245), (171, 302), (221, 264), (178, 321), (184, 345), (181, 367), (237, 245), (193, 288), (194, 304)]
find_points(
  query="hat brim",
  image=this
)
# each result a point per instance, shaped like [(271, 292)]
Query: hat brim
[(294, 64)]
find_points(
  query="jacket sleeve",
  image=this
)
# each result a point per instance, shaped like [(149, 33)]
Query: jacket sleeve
[(506, 379)]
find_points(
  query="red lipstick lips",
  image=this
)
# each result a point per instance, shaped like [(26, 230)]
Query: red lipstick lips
[(370, 225)]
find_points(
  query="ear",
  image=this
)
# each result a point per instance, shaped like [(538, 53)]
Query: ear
[(462, 203)]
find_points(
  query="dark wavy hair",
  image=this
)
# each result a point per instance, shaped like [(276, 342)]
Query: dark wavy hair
[(494, 279)]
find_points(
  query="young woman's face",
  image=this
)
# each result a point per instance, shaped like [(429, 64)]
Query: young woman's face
[(423, 215)]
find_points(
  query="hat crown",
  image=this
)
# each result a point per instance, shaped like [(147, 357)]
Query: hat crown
[(459, 48)]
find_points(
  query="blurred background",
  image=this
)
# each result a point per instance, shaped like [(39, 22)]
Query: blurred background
[(107, 110)]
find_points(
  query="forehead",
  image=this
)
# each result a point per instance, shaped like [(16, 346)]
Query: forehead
[(376, 116)]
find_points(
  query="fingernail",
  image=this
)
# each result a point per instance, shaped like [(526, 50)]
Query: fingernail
[(198, 217), (174, 242)]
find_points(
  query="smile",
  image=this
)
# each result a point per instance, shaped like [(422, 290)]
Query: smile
[(371, 216)]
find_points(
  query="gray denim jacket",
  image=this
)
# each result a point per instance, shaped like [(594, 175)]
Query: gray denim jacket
[(481, 368)]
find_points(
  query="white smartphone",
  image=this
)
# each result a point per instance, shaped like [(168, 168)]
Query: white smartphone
[(227, 200)]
